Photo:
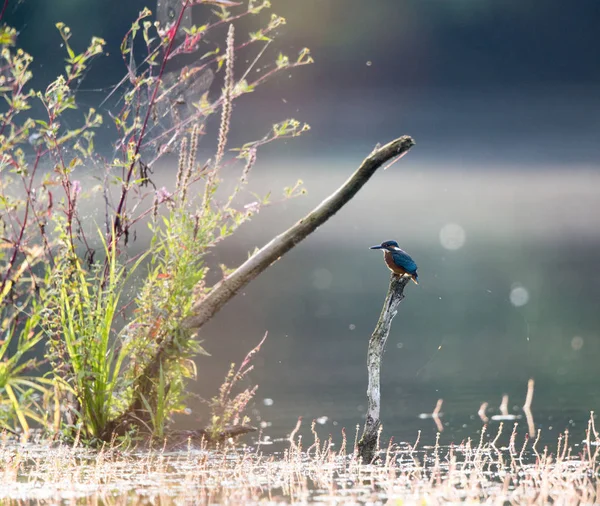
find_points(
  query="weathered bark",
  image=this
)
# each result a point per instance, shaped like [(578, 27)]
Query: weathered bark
[(367, 446), (223, 291)]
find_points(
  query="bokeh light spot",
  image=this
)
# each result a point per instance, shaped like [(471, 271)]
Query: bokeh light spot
[(452, 236), (519, 296), (577, 343)]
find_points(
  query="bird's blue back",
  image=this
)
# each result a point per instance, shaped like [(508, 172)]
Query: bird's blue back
[(403, 259)]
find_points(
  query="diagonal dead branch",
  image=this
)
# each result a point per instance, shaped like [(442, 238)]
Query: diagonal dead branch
[(225, 290), (222, 292)]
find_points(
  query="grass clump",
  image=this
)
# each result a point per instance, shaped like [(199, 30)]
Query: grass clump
[(80, 314)]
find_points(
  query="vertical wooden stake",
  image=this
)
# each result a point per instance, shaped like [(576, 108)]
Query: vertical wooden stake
[(367, 446)]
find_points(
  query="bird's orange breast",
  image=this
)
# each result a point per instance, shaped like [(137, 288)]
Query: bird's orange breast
[(389, 261)]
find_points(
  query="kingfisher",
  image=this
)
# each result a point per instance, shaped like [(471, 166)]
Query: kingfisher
[(398, 260)]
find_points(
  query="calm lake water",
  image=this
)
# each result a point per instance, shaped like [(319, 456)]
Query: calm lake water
[(509, 290), (502, 217)]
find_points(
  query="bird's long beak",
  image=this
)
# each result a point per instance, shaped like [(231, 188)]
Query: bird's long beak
[(376, 247)]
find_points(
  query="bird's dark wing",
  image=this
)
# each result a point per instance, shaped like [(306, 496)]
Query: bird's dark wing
[(404, 260)]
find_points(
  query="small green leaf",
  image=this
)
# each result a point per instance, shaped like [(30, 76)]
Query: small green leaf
[(282, 61)]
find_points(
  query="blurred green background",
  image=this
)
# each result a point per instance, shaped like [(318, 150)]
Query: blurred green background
[(498, 203)]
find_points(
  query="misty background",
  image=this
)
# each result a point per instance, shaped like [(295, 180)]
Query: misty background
[(498, 203)]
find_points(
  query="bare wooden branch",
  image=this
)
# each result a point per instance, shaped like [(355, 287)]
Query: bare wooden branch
[(367, 446), (222, 292)]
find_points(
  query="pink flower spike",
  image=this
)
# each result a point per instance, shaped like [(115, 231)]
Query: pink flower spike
[(76, 188), (163, 195)]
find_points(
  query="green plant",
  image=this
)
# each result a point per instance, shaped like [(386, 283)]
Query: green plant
[(21, 393), (119, 363), (81, 308)]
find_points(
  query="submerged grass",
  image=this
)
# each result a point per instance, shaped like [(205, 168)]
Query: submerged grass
[(472, 471)]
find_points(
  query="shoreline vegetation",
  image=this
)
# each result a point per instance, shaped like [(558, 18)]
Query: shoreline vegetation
[(480, 470), (83, 356)]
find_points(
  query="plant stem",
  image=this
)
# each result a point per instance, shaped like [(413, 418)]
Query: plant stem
[(125, 187), (19, 242), (3, 9)]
